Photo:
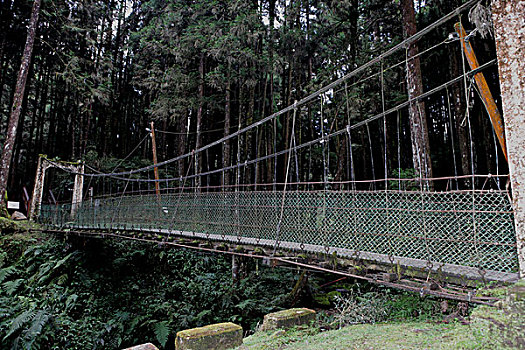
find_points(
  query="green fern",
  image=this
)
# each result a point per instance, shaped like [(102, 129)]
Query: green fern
[(11, 286), (6, 272), (38, 322), (19, 321), (162, 332), (62, 261), (3, 257)]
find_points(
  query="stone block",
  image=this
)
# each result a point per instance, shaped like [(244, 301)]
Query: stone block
[(213, 337), (147, 346), (18, 216), (287, 319)]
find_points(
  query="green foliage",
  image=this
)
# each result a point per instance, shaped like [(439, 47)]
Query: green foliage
[(403, 184), (8, 226), (162, 332), (110, 295), (355, 303), (370, 307), (406, 306)]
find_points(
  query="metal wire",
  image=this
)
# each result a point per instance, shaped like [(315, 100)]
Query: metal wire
[(455, 230), (313, 95)]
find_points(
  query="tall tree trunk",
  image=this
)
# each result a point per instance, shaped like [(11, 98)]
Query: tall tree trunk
[(259, 176), (287, 126), (354, 33), (240, 138), (181, 144), (227, 123), (250, 147), (509, 21), (272, 162), (459, 112), (198, 135), (39, 99), (18, 146), (417, 114), (7, 152)]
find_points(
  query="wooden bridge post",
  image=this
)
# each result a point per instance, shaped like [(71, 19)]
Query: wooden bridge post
[(508, 17)]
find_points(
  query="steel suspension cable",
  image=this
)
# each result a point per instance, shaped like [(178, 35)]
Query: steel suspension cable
[(308, 143), (313, 95), (279, 223)]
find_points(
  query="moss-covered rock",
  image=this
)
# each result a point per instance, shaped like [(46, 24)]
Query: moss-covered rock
[(9, 226), (214, 337), (287, 319), (147, 346)]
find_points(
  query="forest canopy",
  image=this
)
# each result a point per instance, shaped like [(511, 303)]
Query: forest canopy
[(101, 71)]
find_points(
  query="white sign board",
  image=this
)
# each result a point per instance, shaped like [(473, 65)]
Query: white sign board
[(13, 205)]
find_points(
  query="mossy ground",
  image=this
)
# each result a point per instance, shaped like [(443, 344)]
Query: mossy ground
[(8, 226), (15, 237)]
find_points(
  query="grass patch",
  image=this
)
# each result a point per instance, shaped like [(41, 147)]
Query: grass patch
[(486, 328), (409, 335)]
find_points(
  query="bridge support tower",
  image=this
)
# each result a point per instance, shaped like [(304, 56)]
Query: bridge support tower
[(38, 189)]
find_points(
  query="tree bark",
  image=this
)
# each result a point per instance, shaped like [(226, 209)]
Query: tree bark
[(509, 21), (198, 136), (459, 112), (182, 128), (7, 152), (227, 124), (417, 114)]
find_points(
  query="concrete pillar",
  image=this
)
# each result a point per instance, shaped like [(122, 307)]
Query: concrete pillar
[(77, 191), (38, 189), (508, 17)]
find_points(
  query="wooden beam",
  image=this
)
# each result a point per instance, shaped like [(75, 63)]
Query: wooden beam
[(155, 170), (486, 95)]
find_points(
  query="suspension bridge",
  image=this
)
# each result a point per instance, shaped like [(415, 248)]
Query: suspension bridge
[(341, 201)]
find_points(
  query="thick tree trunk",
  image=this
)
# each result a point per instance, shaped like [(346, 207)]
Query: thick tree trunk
[(418, 119), (240, 138), (249, 147), (7, 152), (18, 146), (259, 176), (272, 163), (509, 20)]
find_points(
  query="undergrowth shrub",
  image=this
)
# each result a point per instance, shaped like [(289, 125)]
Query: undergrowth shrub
[(366, 303), (105, 294), (370, 307)]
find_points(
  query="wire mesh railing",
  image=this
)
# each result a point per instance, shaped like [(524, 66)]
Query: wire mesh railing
[(341, 178), (465, 228)]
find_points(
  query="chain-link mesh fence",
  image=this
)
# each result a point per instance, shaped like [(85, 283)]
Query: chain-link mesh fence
[(462, 228)]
